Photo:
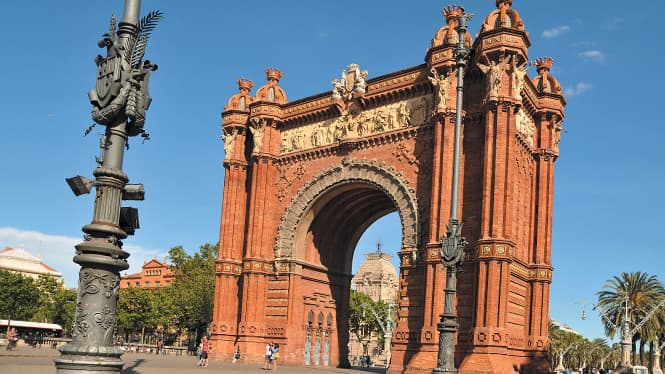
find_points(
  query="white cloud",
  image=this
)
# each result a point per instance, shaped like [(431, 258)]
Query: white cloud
[(578, 89), (57, 251), (593, 55), (555, 32)]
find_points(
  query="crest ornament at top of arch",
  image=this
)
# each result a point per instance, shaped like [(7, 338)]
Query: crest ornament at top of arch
[(379, 175)]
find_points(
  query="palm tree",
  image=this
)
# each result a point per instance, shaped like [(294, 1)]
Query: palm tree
[(642, 292)]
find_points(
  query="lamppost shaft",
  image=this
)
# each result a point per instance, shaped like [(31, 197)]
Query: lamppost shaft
[(452, 245), (119, 100)]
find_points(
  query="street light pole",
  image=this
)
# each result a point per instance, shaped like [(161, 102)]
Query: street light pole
[(119, 101), (452, 245)]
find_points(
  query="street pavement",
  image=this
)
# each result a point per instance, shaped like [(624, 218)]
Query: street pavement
[(40, 360)]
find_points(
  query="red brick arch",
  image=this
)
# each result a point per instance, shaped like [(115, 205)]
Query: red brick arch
[(304, 179), (381, 177)]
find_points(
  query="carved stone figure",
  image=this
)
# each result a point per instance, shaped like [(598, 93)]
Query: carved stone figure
[(525, 126), (357, 124), (284, 144), (298, 141), (380, 121), (493, 74), (556, 138), (361, 127), (229, 139), (257, 127), (442, 83), (518, 74), (352, 82), (340, 128), (317, 137), (403, 115)]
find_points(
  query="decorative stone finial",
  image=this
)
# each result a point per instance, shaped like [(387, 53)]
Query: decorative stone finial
[(245, 84), (544, 63), (499, 2), (273, 74), (451, 12), (545, 82), (271, 92), (241, 100)]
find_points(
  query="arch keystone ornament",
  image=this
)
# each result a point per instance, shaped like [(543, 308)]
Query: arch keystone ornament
[(303, 180)]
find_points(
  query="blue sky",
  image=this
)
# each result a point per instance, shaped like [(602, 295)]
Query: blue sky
[(609, 180)]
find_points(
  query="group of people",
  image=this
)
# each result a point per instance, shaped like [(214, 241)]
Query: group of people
[(12, 339), (272, 355), (365, 361)]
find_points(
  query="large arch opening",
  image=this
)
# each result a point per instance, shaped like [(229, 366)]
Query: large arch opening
[(326, 220)]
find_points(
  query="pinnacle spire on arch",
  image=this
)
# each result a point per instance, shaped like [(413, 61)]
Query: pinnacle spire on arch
[(242, 99), (271, 91), (504, 17), (447, 35), (544, 81)]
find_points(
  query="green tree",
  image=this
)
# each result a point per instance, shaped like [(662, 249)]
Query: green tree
[(193, 291), (48, 288), (135, 311), (19, 296), (64, 308), (363, 321), (642, 292), (564, 347)]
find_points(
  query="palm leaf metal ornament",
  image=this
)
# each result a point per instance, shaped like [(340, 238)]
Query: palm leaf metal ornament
[(134, 49)]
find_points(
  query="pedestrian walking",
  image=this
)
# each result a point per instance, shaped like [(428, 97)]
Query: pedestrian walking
[(268, 358), (275, 355), (12, 338), (236, 354), (205, 349)]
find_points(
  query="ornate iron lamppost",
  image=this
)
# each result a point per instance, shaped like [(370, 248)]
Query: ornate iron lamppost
[(452, 245), (119, 101)]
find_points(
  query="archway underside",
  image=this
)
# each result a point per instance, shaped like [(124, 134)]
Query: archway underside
[(339, 223)]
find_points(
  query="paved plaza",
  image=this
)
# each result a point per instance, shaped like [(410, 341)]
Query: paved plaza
[(40, 360)]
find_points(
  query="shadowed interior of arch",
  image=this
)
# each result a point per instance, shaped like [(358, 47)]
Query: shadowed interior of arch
[(328, 237)]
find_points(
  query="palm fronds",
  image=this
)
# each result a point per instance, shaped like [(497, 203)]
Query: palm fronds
[(133, 48), (146, 26)]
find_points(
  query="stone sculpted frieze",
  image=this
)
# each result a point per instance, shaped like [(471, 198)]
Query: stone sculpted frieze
[(525, 126), (412, 112)]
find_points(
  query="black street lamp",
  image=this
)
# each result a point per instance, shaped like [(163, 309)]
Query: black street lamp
[(119, 101), (452, 244)]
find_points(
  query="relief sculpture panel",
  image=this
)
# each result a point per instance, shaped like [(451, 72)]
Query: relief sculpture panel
[(354, 125)]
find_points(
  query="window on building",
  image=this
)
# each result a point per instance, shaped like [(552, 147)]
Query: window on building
[(147, 283), (138, 283), (158, 283)]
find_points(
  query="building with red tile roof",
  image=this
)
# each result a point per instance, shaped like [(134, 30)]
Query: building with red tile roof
[(154, 275)]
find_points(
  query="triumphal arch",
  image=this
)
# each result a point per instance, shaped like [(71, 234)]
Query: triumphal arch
[(304, 179)]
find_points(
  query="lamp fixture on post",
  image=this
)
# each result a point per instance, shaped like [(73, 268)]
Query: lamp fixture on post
[(119, 101), (452, 244)]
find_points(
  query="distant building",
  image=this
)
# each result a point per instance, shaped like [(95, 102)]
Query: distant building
[(18, 260), (154, 274), (377, 278), (564, 327)]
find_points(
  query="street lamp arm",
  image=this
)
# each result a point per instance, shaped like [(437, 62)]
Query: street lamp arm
[(647, 317), (604, 315)]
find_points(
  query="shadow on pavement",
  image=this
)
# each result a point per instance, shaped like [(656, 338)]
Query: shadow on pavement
[(131, 369)]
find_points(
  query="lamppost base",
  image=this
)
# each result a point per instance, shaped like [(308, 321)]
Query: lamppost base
[(88, 365), (87, 359), (623, 370), (443, 370)]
